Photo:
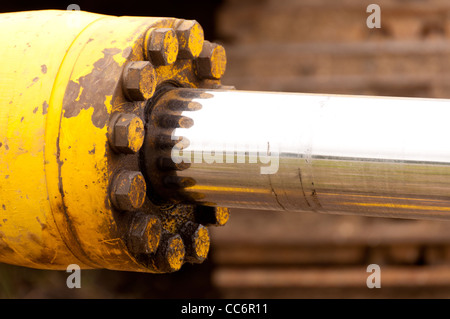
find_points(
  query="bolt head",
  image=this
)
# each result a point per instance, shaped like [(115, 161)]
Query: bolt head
[(171, 253), (128, 191), (162, 46), (197, 240), (128, 133), (212, 61), (139, 80), (144, 234), (190, 38), (221, 216)]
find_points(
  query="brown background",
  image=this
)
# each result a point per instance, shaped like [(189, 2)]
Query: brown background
[(320, 46)]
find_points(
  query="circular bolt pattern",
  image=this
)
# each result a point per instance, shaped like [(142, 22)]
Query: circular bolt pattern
[(197, 241), (171, 253), (144, 234), (190, 38), (128, 191), (211, 62), (128, 133), (162, 46), (139, 80)]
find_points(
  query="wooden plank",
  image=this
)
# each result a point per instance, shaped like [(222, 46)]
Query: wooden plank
[(348, 277)]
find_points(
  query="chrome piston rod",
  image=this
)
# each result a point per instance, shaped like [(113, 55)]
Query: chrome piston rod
[(374, 156)]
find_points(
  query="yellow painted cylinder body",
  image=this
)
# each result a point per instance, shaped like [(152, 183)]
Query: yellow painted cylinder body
[(60, 81)]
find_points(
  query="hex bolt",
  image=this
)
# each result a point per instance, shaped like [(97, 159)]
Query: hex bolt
[(215, 216), (197, 241), (162, 46), (139, 80), (212, 61), (128, 191), (126, 133), (171, 253), (190, 39), (144, 234)]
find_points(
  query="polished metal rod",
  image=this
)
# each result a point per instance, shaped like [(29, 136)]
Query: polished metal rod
[(374, 156)]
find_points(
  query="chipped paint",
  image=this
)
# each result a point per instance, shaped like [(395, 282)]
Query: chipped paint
[(81, 96)]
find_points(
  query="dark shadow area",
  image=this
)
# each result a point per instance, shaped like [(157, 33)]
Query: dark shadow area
[(202, 11)]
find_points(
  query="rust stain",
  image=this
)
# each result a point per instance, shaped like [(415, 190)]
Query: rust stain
[(96, 86), (33, 81), (43, 68), (44, 108)]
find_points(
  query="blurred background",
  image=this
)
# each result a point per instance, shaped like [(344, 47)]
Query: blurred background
[(319, 46)]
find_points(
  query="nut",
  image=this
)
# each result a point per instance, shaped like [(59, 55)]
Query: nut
[(197, 241), (162, 46), (144, 234), (128, 191), (190, 38), (171, 253), (211, 62), (127, 133), (139, 80)]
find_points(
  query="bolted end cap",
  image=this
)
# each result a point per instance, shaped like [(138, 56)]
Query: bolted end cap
[(127, 133), (212, 61), (190, 38), (139, 80), (162, 46), (128, 191)]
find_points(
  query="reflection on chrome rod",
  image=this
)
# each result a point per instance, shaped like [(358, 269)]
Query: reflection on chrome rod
[(377, 156)]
